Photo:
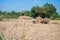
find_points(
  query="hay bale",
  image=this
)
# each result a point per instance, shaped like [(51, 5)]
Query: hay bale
[(34, 20), (25, 17), (45, 20), (38, 19)]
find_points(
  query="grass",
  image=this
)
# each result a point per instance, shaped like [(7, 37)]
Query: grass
[(55, 23)]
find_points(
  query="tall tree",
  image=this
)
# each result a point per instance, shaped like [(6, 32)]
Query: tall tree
[(37, 11), (47, 10)]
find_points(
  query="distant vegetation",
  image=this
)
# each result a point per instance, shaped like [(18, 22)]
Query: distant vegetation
[(47, 11)]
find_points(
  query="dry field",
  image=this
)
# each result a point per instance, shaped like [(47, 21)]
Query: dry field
[(26, 30)]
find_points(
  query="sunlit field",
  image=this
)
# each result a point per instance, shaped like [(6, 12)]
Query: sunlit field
[(29, 20), (27, 30)]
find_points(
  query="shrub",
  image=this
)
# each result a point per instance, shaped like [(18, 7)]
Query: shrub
[(57, 19), (1, 17), (0, 38)]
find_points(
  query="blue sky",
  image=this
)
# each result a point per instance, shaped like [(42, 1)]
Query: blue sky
[(19, 5)]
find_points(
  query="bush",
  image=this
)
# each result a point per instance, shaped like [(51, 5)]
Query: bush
[(1, 17), (0, 38), (57, 19)]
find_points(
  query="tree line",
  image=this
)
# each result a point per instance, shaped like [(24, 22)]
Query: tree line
[(46, 11)]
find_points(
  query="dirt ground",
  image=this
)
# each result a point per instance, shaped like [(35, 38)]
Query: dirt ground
[(26, 30)]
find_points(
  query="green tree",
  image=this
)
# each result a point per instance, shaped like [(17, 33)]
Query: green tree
[(54, 16), (46, 11), (1, 13), (49, 10), (37, 11), (27, 13), (13, 14)]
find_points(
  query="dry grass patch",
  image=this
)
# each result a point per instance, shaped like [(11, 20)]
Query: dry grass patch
[(55, 23), (25, 17)]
